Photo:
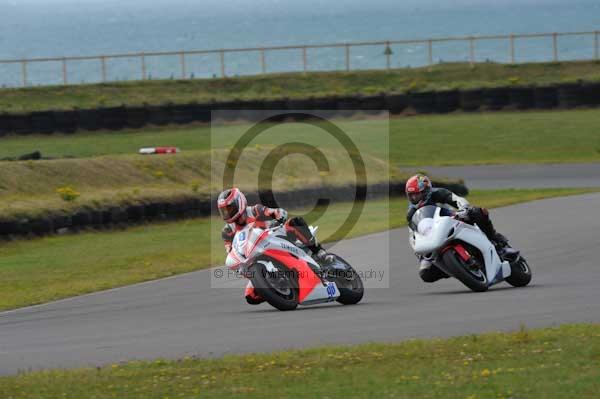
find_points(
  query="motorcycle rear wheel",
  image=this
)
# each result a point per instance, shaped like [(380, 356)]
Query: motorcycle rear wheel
[(457, 268), (279, 296)]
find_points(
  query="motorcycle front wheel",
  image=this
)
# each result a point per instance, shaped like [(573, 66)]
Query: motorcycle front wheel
[(279, 288), (348, 282), (476, 280), (520, 273)]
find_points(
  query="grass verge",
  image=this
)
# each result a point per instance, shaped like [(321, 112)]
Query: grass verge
[(50, 268), (29, 189), (506, 137), (294, 85), (562, 362)]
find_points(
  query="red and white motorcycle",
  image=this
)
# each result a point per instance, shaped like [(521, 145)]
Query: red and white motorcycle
[(463, 251), (283, 274)]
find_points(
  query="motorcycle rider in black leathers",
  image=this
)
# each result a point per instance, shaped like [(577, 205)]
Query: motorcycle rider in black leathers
[(421, 193)]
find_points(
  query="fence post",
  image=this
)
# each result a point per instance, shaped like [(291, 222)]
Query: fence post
[(263, 61), (222, 59), (347, 57), (388, 55), (304, 60), (143, 63), (182, 62), (64, 71), (472, 52), (512, 48), (555, 46), (103, 62), (430, 52), (24, 72), (596, 50)]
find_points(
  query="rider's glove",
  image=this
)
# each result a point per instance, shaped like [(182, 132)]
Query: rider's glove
[(463, 213), (282, 215)]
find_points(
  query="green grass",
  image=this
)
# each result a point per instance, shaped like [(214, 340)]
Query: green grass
[(561, 362), (28, 188), (511, 137), (41, 270), (295, 85)]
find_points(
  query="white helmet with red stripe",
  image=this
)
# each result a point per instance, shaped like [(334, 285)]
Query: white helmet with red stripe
[(231, 204)]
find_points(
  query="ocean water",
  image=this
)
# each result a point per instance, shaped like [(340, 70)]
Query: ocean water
[(56, 28)]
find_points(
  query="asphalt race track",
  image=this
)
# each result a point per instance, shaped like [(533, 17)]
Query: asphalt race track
[(522, 176), (183, 316)]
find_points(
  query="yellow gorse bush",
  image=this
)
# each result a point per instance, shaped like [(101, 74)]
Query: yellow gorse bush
[(67, 193)]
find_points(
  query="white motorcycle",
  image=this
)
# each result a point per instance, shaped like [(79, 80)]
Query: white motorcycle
[(284, 275), (463, 251)]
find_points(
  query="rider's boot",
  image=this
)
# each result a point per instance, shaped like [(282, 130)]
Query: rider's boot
[(430, 273), (321, 255), (505, 251)]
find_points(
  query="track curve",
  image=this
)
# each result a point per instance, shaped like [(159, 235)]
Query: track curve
[(182, 316)]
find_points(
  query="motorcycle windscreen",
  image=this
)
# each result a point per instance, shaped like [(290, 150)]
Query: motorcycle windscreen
[(424, 217)]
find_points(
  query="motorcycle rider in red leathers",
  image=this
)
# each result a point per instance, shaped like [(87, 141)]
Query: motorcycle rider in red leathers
[(420, 192), (235, 211)]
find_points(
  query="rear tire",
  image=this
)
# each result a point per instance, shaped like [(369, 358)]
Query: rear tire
[(455, 266), (520, 273), (263, 285), (348, 282)]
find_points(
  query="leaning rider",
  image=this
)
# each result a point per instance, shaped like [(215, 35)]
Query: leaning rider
[(421, 193), (233, 209)]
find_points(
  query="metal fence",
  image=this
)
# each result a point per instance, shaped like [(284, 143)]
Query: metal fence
[(303, 58)]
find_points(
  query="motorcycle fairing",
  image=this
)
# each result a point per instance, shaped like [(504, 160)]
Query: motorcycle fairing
[(433, 233), (310, 286)]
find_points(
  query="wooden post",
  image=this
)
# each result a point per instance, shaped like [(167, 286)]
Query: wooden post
[(64, 71), (347, 58), (472, 52), (304, 60), (388, 56), (263, 61), (103, 62), (512, 49), (596, 50), (24, 72), (182, 62), (143, 63), (222, 59), (430, 52), (555, 46)]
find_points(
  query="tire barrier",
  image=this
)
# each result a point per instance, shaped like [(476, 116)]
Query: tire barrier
[(42, 122), (89, 119), (396, 103), (66, 121), (522, 98), (471, 99), (20, 124), (496, 98), (136, 117), (545, 97), (423, 102), (491, 99), (591, 94), (570, 96), (447, 101), (113, 216)]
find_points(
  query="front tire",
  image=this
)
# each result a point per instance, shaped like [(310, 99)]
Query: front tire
[(280, 289), (349, 283), (520, 273), (456, 267)]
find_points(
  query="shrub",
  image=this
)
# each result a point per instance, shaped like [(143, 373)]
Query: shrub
[(67, 193)]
